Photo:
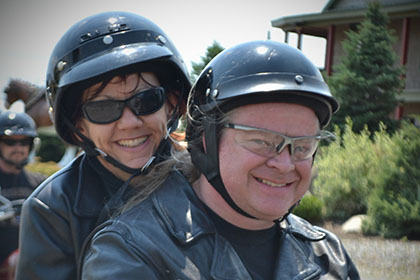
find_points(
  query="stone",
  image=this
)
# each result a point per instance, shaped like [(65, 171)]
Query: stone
[(354, 224)]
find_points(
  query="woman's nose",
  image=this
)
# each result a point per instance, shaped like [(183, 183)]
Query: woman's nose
[(129, 119)]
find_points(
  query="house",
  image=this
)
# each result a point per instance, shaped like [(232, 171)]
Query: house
[(339, 16)]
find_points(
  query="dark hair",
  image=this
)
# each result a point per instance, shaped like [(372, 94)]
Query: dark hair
[(73, 107)]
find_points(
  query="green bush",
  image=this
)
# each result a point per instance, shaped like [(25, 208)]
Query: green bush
[(310, 208), (376, 175), (394, 205), (52, 148), (344, 171)]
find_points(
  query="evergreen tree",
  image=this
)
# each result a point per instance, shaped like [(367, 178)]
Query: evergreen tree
[(394, 204), (367, 82), (211, 52)]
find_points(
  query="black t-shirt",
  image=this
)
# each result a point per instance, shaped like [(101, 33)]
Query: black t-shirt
[(256, 248), (19, 186)]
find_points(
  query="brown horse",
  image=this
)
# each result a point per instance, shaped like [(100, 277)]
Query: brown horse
[(36, 104)]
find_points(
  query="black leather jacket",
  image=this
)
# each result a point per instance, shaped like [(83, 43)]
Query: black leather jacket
[(169, 236), (59, 215)]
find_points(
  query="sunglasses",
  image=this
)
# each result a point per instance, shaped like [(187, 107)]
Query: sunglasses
[(142, 103), (14, 142), (269, 143)]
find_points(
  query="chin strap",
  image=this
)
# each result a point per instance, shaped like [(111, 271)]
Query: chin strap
[(161, 153), (208, 163), (118, 199), (89, 147), (281, 219)]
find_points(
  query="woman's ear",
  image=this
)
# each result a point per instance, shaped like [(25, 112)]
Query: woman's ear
[(82, 129), (173, 100)]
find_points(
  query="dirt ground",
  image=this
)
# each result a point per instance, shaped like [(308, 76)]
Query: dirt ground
[(381, 259)]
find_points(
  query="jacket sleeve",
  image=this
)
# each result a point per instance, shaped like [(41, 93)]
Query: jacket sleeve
[(339, 261), (45, 243), (112, 256), (353, 273)]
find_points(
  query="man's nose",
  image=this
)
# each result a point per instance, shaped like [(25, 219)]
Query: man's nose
[(283, 160)]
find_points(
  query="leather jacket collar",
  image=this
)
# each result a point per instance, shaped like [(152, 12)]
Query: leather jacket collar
[(94, 184), (187, 228), (293, 259)]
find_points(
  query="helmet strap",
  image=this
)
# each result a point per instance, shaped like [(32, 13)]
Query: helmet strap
[(279, 220), (208, 163)]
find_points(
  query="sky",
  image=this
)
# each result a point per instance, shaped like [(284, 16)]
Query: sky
[(29, 29)]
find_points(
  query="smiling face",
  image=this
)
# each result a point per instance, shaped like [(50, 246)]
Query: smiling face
[(264, 187), (15, 154), (131, 139)]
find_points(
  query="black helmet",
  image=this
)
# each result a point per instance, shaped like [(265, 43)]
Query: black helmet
[(262, 71), (104, 45), (249, 73), (12, 123)]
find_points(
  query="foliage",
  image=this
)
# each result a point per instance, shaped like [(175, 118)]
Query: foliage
[(366, 81), (52, 148), (310, 209), (211, 52), (378, 176), (46, 168), (394, 205), (346, 171)]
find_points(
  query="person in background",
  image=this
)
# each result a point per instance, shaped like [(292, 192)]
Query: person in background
[(117, 87), (17, 137), (255, 117)]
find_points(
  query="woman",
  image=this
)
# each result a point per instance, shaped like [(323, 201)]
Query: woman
[(117, 87), (256, 116)]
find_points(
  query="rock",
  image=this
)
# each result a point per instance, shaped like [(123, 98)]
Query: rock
[(354, 224)]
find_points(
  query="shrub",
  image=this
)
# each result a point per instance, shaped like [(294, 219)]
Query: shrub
[(52, 148), (310, 208), (394, 205), (343, 168), (349, 169)]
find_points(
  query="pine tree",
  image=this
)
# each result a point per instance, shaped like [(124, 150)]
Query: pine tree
[(211, 52), (367, 82)]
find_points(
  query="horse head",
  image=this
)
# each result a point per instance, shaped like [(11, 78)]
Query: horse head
[(20, 90), (36, 104)]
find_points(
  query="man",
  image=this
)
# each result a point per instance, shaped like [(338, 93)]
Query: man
[(17, 134), (255, 117)]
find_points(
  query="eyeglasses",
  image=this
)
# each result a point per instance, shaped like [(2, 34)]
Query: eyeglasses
[(14, 142), (269, 143), (142, 103)]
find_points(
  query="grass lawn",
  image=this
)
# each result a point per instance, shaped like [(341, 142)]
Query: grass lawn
[(381, 259)]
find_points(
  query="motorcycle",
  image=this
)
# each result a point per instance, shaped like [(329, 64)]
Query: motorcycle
[(9, 236)]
